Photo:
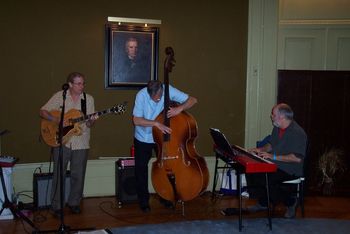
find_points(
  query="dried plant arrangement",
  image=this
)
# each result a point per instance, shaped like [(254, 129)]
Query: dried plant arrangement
[(331, 165)]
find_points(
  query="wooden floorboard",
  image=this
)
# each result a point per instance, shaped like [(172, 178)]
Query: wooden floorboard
[(103, 212)]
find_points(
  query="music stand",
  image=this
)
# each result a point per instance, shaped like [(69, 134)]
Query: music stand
[(221, 142)]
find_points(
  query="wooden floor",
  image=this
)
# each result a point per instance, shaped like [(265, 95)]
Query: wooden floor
[(103, 212)]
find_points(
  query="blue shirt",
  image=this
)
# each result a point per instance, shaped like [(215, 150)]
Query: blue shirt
[(146, 108)]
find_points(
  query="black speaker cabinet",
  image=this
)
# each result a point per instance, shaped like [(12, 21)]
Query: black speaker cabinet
[(42, 183), (125, 181)]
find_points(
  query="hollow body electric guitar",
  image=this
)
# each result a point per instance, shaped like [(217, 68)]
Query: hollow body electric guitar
[(49, 129)]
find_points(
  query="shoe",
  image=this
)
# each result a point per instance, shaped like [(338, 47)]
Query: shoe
[(245, 194), (291, 210), (256, 208), (230, 211), (75, 209), (167, 204), (56, 213), (145, 209)]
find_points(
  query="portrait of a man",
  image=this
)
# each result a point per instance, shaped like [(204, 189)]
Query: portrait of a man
[(131, 56), (133, 61)]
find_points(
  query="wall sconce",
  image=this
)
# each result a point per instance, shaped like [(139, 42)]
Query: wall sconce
[(123, 20)]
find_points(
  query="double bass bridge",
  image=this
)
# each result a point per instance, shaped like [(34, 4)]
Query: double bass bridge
[(165, 157), (171, 157)]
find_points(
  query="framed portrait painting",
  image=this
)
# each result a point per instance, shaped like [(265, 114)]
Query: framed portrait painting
[(131, 56)]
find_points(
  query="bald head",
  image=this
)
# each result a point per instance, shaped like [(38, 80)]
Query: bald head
[(282, 115)]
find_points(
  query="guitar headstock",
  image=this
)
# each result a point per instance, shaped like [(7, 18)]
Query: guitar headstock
[(119, 109), (170, 60)]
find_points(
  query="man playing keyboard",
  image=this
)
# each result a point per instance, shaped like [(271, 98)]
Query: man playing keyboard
[(287, 149)]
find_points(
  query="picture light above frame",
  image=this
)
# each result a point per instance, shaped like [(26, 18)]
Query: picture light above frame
[(123, 20)]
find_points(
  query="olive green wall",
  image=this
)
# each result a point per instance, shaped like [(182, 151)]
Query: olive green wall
[(42, 41)]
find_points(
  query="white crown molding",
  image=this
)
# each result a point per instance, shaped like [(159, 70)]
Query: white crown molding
[(314, 22)]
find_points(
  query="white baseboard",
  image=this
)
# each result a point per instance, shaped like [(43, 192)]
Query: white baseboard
[(99, 179)]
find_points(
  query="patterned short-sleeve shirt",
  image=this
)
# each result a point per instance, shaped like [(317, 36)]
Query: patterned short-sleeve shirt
[(55, 103)]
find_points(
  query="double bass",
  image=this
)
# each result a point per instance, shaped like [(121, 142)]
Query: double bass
[(179, 173)]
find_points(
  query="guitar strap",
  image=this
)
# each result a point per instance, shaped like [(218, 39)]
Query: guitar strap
[(83, 104)]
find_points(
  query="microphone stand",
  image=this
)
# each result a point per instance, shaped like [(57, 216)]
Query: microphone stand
[(63, 228)]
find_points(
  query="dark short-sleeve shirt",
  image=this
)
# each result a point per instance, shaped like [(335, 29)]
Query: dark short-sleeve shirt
[(293, 141)]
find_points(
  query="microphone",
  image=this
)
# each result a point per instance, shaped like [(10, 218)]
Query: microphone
[(65, 86)]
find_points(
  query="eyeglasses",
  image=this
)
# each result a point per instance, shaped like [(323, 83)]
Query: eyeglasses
[(80, 83)]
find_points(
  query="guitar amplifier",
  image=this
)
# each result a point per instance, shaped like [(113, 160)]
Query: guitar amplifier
[(126, 162), (42, 184), (7, 161), (125, 181)]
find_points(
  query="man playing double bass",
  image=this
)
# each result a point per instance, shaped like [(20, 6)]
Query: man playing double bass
[(149, 103)]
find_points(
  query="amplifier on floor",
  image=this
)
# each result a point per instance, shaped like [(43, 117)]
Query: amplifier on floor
[(42, 183), (125, 181)]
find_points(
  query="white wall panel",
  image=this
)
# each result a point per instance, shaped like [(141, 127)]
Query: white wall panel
[(314, 9), (301, 49), (298, 53), (343, 55), (261, 69), (338, 49)]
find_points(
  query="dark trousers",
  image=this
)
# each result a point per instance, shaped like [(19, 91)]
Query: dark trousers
[(78, 161), (278, 192), (143, 154)]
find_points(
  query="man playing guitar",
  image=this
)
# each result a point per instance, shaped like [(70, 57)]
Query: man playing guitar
[(75, 149)]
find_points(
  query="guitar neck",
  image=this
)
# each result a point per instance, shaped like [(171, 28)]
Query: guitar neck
[(86, 117)]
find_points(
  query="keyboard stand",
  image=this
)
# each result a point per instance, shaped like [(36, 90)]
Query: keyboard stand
[(13, 208), (216, 176), (239, 171)]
